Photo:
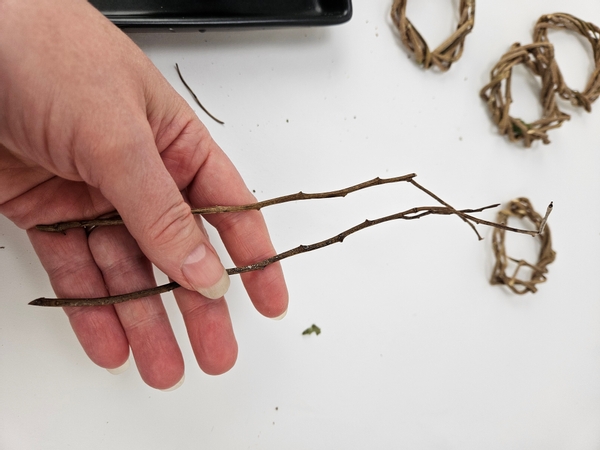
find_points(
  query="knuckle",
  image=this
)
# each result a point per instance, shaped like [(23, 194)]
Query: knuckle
[(174, 225), (143, 319)]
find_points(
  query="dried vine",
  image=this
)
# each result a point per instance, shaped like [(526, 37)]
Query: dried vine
[(410, 214), (116, 219), (537, 57), (521, 208), (591, 32), (448, 51)]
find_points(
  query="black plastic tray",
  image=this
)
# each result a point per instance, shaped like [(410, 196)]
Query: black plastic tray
[(203, 14)]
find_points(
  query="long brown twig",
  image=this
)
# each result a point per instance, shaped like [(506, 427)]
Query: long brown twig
[(117, 220), (448, 51), (409, 214)]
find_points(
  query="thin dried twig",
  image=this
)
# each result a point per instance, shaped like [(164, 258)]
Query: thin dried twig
[(521, 208), (196, 97), (410, 214), (448, 51), (537, 57), (61, 227), (591, 32)]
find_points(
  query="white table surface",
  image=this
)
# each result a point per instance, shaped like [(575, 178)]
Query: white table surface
[(418, 350)]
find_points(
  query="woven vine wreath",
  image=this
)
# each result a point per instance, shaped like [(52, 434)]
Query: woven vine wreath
[(521, 208), (448, 51), (591, 32), (537, 57)]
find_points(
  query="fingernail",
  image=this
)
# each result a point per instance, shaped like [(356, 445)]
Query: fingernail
[(120, 369), (205, 273), (177, 386), (281, 316)]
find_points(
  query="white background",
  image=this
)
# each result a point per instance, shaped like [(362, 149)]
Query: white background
[(417, 350)]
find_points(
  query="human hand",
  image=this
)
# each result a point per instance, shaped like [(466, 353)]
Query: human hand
[(88, 125)]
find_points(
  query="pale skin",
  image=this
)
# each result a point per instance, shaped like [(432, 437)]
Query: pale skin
[(87, 126)]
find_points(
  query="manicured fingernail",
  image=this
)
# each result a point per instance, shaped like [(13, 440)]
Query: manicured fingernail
[(205, 273), (281, 316), (177, 386), (120, 369)]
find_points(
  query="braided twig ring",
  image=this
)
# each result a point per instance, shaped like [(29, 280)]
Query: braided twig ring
[(537, 57), (448, 51), (521, 208), (591, 32)]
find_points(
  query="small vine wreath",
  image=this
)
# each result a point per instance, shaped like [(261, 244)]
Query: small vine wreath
[(591, 32), (537, 57), (521, 208), (448, 51)]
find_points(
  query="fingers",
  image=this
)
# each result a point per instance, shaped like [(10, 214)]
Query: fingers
[(145, 323), (73, 273), (245, 234)]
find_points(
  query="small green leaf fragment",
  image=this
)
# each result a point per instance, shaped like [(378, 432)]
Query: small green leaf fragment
[(517, 130), (312, 329)]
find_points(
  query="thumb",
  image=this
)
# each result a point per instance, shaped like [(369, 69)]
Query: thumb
[(139, 186)]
